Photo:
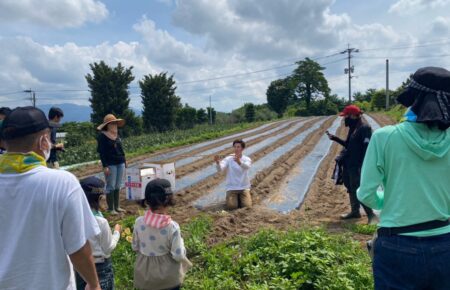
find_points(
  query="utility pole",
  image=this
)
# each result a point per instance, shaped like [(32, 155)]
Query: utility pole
[(387, 84), (210, 112), (350, 69), (32, 96)]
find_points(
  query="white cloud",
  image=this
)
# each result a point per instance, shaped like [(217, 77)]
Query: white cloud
[(53, 13), (405, 7)]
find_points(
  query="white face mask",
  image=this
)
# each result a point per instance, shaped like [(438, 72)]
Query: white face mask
[(48, 147)]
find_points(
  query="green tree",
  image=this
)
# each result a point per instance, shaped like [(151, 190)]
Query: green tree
[(109, 91), (309, 81), (160, 104), (278, 95), (186, 117), (250, 112), (378, 99), (201, 116), (211, 114)]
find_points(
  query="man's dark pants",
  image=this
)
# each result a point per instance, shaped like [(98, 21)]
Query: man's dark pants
[(352, 179), (403, 262)]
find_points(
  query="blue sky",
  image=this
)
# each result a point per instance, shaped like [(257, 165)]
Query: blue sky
[(47, 45)]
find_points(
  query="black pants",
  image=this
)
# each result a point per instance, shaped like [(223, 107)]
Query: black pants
[(352, 179)]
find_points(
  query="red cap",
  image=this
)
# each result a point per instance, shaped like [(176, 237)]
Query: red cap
[(351, 110)]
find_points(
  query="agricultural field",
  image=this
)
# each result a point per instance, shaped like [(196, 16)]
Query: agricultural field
[(292, 238)]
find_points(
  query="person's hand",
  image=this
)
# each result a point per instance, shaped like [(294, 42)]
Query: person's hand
[(237, 160), (118, 228), (88, 287), (59, 146), (330, 136), (106, 171), (217, 159)]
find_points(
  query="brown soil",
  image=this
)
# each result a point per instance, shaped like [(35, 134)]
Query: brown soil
[(93, 169), (382, 119), (206, 161)]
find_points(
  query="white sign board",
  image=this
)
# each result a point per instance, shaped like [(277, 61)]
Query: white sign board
[(137, 178)]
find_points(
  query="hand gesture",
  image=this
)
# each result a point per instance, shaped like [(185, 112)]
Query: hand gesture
[(237, 160), (118, 228), (330, 136), (59, 146)]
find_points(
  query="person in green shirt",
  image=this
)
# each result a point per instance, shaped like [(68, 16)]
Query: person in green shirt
[(411, 162)]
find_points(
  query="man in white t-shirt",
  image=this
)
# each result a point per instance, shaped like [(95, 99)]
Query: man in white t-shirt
[(238, 183), (45, 219)]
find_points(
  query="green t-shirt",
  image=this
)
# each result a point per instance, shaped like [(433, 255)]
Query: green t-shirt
[(412, 163)]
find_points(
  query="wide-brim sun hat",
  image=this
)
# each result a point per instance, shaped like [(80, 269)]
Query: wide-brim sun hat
[(110, 118)]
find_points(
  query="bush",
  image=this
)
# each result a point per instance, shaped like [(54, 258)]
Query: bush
[(305, 259)]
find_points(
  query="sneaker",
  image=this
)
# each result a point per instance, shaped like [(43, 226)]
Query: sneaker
[(120, 210), (352, 215), (113, 212)]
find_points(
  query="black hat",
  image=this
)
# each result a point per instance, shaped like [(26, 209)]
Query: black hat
[(92, 185), (55, 111), (428, 95), (5, 111), (160, 187), (23, 121)]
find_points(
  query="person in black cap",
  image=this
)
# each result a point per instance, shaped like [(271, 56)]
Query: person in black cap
[(45, 217), (103, 244), (55, 116), (4, 111), (161, 261), (411, 162)]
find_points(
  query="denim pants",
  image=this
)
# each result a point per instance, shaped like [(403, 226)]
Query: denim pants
[(403, 262), (105, 276), (114, 181)]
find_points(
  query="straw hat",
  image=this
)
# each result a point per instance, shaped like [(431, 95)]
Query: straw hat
[(110, 118)]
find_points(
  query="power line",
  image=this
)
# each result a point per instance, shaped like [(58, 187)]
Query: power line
[(426, 44), (402, 56)]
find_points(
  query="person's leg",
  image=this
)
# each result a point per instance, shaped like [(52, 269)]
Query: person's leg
[(232, 200), (105, 275), (118, 187), (245, 198), (352, 186), (355, 181), (438, 264), (399, 263), (110, 187)]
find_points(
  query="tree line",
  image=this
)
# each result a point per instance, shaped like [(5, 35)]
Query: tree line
[(162, 109)]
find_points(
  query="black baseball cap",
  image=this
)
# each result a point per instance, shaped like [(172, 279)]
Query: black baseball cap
[(23, 121), (92, 185), (160, 187)]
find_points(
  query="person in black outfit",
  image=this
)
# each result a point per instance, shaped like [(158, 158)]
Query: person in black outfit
[(113, 160), (352, 158), (4, 111), (55, 116)]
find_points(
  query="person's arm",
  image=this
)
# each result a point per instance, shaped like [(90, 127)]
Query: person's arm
[(83, 262), (101, 149), (372, 175), (109, 241), (135, 245), (178, 251), (246, 163), (222, 164)]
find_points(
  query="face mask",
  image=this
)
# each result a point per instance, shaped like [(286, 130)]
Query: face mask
[(350, 122), (45, 151)]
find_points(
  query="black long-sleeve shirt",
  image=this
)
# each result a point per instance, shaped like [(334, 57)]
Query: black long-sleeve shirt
[(111, 151), (356, 145)]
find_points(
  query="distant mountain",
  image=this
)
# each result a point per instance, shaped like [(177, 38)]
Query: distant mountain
[(75, 113)]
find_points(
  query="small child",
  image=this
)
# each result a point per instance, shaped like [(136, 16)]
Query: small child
[(103, 244), (161, 261)]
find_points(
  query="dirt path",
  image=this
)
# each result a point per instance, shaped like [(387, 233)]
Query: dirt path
[(206, 161), (93, 169), (382, 119)]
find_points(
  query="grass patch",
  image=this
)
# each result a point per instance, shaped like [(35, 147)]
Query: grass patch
[(396, 113), (361, 229)]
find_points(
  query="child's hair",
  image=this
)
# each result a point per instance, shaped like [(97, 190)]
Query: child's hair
[(157, 201), (94, 201), (239, 141)]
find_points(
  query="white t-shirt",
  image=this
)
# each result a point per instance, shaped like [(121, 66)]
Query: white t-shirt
[(103, 244), (237, 175), (44, 217)]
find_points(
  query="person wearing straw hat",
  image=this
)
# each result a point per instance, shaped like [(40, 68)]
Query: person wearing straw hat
[(113, 159)]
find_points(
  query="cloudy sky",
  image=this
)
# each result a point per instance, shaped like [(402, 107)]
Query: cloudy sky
[(229, 49)]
